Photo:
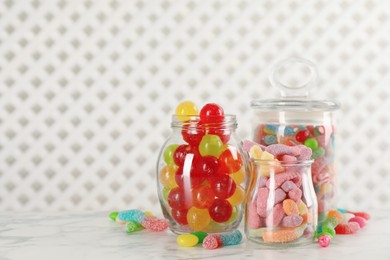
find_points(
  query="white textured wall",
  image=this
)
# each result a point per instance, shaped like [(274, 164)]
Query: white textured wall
[(87, 89)]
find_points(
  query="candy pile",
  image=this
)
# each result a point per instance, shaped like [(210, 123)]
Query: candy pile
[(209, 241), (136, 220), (282, 207), (340, 222), (202, 174), (320, 139)]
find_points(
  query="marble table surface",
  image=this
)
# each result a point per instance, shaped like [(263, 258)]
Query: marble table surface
[(92, 235)]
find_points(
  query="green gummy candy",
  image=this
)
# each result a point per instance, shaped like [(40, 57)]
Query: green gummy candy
[(113, 215), (200, 235), (133, 226)]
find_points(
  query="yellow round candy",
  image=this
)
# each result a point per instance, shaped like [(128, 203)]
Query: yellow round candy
[(238, 176), (198, 219), (186, 109), (167, 176), (237, 197), (187, 240)]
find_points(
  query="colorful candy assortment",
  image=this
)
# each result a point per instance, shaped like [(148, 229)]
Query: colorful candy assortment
[(201, 172), (136, 220), (320, 139), (282, 207), (340, 222)]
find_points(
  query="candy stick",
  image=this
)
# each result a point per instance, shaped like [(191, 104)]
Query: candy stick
[(214, 241), (148, 222)]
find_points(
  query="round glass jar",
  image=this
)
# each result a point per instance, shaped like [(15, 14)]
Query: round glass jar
[(281, 207), (202, 175), (296, 119)]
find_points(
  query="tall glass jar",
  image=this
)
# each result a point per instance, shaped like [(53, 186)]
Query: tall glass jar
[(281, 207), (202, 175), (296, 119)]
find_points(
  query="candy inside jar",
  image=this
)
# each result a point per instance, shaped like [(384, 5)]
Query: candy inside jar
[(202, 172), (281, 206), (294, 120)]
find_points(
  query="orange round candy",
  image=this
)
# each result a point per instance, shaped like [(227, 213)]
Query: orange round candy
[(198, 219), (167, 176)]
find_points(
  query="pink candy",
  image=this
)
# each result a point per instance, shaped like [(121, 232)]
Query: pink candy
[(276, 216), (324, 240), (281, 149), (361, 221), (288, 185), (295, 194), (155, 224), (292, 221)]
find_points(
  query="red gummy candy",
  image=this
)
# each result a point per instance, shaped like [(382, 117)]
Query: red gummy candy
[(364, 215), (346, 229)]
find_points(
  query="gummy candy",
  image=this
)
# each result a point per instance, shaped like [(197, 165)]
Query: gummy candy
[(214, 241), (185, 109), (220, 210), (198, 219)]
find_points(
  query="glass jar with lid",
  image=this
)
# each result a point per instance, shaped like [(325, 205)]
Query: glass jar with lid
[(296, 119)]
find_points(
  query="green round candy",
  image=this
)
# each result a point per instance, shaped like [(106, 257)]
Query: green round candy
[(113, 215), (318, 153), (133, 226), (201, 235), (166, 192), (211, 145), (168, 153), (311, 143)]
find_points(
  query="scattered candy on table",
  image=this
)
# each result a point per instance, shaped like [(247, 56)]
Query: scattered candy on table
[(201, 173), (213, 241), (192, 239), (338, 222), (136, 220)]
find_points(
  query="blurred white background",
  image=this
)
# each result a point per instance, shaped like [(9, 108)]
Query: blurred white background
[(88, 88)]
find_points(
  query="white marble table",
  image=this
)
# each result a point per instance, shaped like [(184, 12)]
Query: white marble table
[(94, 236)]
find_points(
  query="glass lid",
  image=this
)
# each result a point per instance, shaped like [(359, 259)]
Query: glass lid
[(295, 97)]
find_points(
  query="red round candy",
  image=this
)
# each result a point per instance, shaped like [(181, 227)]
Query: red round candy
[(302, 135), (230, 161), (221, 210), (193, 134), (181, 152), (193, 178), (180, 216), (178, 199), (207, 166), (319, 130), (223, 186), (202, 197), (211, 113)]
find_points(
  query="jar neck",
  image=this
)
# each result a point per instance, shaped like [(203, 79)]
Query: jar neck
[(229, 122)]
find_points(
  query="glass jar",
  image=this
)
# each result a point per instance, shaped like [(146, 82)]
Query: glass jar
[(296, 119), (281, 207), (202, 175)]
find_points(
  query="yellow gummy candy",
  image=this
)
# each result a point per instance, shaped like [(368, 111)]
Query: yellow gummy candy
[(187, 240)]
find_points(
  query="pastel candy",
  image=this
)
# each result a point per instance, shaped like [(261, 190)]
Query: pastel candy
[(131, 215), (155, 224), (288, 185), (361, 221), (283, 235), (262, 197), (290, 207), (302, 208), (289, 159), (280, 195), (282, 177), (253, 219), (281, 149), (262, 182), (276, 216), (247, 145), (304, 153), (292, 221), (295, 194)]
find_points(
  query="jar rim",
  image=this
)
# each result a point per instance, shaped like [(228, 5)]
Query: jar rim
[(229, 120), (295, 105), (281, 163)]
